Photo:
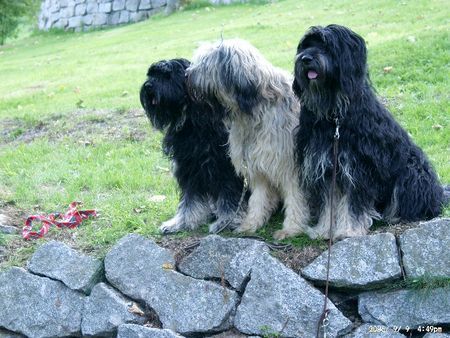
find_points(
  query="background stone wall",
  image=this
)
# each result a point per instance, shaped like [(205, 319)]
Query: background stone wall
[(84, 14)]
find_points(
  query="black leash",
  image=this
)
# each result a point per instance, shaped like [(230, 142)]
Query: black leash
[(323, 320)]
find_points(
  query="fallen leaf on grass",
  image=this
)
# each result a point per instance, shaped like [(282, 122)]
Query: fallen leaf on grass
[(437, 127), (140, 209), (163, 169), (387, 69), (157, 198)]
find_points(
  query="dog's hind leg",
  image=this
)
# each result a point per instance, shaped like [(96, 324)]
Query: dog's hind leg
[(192, 212), (296, 213), (230, 211), (263, 201)]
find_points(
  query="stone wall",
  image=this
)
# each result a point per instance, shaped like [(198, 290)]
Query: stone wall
[(86, 14), (233, 287)]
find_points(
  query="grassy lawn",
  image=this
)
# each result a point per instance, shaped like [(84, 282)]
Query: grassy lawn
[(71, 127)]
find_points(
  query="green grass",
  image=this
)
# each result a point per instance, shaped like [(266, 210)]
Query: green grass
[(53, 82)]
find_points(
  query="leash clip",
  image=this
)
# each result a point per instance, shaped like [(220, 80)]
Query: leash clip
[(336, 132), (325, 323)]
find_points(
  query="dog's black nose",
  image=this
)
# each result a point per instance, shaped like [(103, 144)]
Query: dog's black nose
[(306, 58)]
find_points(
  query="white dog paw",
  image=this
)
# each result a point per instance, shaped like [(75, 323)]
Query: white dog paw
[(170, 227), (245, 228)]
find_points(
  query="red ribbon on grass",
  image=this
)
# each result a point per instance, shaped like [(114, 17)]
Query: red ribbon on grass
[(71, 219)]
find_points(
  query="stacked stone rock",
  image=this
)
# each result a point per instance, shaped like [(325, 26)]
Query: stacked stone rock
[(226, 288), (86, 14)]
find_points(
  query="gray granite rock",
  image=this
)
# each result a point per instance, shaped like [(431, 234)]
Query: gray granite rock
[(145, 4), (105, 7), (57, 261), (136, 331), (118, 5), (374, 331), (88, 19), (8, 229), (67, 12), (232, 334), (278, 301), (106, 309), (132, 5), (99, 19), (358, 262), (113, 18), (426, 249), (75, 22), (124, 17), (144, 271), (80, 9), (38, 306), (10, 334), (6, 226), (91, 7), (61, 23), (158, 3), (215, 257), (406, 307), (138, 16)]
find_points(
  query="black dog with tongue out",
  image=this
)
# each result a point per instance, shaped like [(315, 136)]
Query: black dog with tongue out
[(381, 172)]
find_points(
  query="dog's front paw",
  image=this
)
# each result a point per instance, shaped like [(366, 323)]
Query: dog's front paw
[(223, 224), (245, 228), (171, 226), (281, 234)]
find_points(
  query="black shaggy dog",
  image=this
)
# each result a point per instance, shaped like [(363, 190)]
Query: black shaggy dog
[(197, 146), (381, 172)]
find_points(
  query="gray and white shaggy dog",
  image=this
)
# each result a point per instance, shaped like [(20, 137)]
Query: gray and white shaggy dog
[(262, 116)]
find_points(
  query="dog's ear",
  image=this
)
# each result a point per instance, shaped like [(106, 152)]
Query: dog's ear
[(238, 80), (350, 56), (183, 62), (246, 94), (296, 87)]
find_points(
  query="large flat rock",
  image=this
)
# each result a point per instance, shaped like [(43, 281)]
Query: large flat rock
[(58, 261), (278, 301), (106, 309), (142, 270), (215, 258), (38, 306), (358, 263), (406, 307), (426, 249)]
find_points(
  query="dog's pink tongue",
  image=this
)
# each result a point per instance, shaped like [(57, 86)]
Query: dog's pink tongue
[(312, 75)]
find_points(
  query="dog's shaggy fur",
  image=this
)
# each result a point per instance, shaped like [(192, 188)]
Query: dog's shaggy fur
[(197, 146), (262, 116), (381, 172)]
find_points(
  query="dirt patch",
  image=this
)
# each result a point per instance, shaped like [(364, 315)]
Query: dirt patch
[(395, 229), (85, 126)]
